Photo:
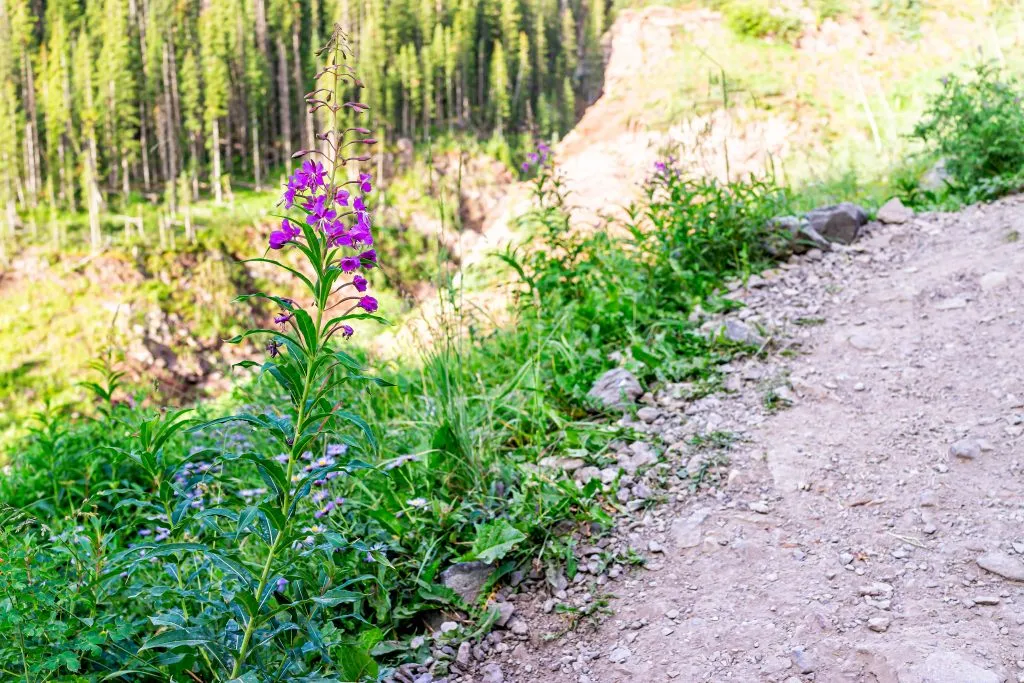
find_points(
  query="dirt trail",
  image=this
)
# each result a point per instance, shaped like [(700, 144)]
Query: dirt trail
[(842, 542)]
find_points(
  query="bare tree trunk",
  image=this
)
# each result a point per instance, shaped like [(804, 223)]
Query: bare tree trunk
[(299, 90), (170, 132), (257, 170), (284, 99), (34, 160), (93, 199), (218, 192)]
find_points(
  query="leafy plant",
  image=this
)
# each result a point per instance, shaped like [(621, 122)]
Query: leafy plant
[(976, 124)]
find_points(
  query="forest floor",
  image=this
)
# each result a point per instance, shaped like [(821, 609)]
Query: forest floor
[(866, 522)]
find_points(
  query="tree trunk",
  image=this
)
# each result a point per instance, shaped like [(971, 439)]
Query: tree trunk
[(310, 142), (256, 166), (284, 100), (170, 132), (93, 199), (218, 193)]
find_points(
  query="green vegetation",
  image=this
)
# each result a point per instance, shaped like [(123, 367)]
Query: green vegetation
[(297, 526)]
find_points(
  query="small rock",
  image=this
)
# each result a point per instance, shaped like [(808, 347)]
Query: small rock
[(505, 612), (565, 464), (968, 449), (759, 507), (865, 340), (953, 303), (584, 475), (879, 624), (654, 546), (467, 579), (462, 657), (1001, 564), (993, 280), (893, 211), (449, 626), (986, 600), (804, 661), (741, 333), (947, 667), (640, 454), (685, 533), (617, 388), (619, 655), (519, 626), (648, 414), (492, 673)]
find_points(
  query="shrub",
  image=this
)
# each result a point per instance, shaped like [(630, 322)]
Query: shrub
[(757, 20), (976, 124)]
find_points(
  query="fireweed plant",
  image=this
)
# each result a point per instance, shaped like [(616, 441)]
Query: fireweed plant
[(287, 582)]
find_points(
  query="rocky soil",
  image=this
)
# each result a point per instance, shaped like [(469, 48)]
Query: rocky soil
[(862, 498)]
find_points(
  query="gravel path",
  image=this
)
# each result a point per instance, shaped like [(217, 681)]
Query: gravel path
[(868, 523)]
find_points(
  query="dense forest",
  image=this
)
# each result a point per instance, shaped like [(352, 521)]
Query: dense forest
[(100, 98)]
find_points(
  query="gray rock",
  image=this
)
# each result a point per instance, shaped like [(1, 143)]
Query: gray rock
[(879, 624), (839, 222), (619, 655), (648, 414), (865, 340), (792, 235), (449, 626), (467, 579), (492, 673), (804, 661), (949, 667), (968, 449), (617, 388), (993, 280), (584, 474), (505, 612), (741, 333), (566, 464), (686, 533), (519, 626), (462, 657), (1003, 565), (639, 454), (893, 211)]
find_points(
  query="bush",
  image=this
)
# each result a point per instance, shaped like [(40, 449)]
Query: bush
[(756, 20), (977, 125)]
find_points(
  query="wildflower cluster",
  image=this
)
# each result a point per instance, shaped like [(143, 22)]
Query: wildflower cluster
[(537, 159)]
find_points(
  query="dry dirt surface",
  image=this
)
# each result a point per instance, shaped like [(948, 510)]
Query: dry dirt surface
[(873, 530)]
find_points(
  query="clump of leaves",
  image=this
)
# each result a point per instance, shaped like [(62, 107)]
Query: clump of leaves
[(976, 124)]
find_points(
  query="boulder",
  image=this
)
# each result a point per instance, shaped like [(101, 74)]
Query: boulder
[(838, 223), (893, 211), (617, 388)]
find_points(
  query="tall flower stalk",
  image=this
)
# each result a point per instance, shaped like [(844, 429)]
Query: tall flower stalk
[(326, 220)]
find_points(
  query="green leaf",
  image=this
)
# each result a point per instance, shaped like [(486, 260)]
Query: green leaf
[(494, 540), (176, 638), (356, 664), (337, 596)]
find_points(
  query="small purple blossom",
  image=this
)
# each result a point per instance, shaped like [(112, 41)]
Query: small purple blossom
[(281, 584), (315, 173), (341, 197), (274, 348), (283, 318), (349, 263), (347, 331), (288, 232), (368, 304), (365, 183), (360, 283), (369, 256)]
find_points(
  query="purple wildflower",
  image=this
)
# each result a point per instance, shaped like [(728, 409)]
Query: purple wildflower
[(288, 232), (365, 182), (320, 214), (368, 257), (347, 331), (315, 173), (349, 263), (283, 318), (281, 584), (360, 283), (274, 348), (368, 304), (341, 197)]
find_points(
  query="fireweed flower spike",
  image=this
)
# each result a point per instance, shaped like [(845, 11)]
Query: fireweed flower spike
[(327, 229)]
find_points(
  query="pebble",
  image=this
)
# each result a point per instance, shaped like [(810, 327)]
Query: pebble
[(759, 507), (879, 624), (1001, 564), (986, 600), (968, 449), (619, 655), (462, 658), (492, 673), (804, 661)]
